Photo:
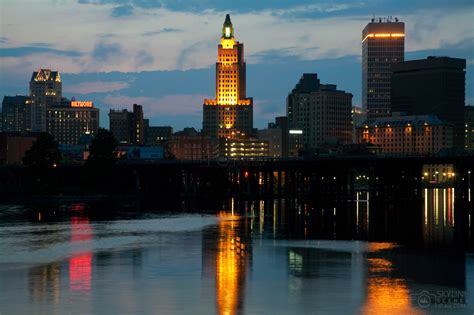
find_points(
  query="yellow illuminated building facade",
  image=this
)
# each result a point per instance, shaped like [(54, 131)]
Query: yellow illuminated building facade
[(231, 111)]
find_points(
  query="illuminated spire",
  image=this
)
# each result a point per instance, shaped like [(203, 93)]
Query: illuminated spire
[(227, 28)]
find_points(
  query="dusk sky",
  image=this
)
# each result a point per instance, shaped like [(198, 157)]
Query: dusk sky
[(161, 54)]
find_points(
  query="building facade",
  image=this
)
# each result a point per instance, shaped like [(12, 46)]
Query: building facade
[(243, 149), (128, 127), (45, 91), (432, 86), (158, 135), (320, 111), (383, 44), (231, 110), (407, 135), (469, 128), (70, 121), (16, 113), (13, 146), (274, 136), (191, 145)]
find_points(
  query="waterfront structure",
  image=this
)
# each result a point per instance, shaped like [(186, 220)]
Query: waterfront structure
[(45, 92), (191, 145), (469, 128), (407, 135), (320, 111), (383, 44), (71, 120), (16, 111), (231, 111), (235, 148), (128, 127), (432, 86), (13, 146)]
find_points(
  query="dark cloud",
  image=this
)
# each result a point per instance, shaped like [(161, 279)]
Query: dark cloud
[(319, 8), (3, 39), (123, 10), (144, 58), (161, 31), (104, 51), (31, 50)]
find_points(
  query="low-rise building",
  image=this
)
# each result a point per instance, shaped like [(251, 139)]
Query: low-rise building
[(13, 146), (244, 149), (191, 145), (408, 135)]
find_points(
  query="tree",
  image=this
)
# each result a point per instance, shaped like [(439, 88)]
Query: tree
[(44, 152), (102, 148)]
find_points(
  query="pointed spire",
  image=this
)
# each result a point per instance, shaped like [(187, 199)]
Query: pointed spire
[(227, 28)]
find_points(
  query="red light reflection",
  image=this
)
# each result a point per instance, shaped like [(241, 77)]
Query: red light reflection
[(80, 266)]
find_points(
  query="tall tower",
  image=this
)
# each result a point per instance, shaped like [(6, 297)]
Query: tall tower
[(231, 112), (45, 91), (383, 43)]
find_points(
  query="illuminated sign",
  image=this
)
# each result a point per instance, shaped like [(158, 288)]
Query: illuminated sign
[(296, 132), (384, 35), (81, 104)]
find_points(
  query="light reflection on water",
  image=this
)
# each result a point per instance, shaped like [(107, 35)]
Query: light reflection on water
[(228, 264)]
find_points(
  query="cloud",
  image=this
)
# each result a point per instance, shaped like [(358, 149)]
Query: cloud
[(168, 105), (162, 31), (144, 58), (32, 50), (3, 40), (104, 51), (123, 10), (95, 87)]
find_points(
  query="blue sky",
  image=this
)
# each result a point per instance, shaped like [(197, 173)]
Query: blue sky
[(161, 54)]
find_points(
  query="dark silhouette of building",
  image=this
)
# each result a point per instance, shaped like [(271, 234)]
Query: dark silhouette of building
[(128, 127), (72, 120), (16, 113), (231, 111), (320, 111), (189, 144), (469, 128), (45, 91), (13, 146), (432, 86), (383, 44), (158, 135)]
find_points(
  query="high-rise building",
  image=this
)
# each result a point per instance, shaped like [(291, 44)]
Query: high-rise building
[(231, 111), (45, 91), (469, 128), (320, 111), (70, 121), (402, 135), (432, 86), (383, 44), (128, 127), (16, 114)]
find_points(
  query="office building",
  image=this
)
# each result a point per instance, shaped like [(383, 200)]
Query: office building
[(16, 114), (191, 145), (13, 146), (383, 44), (469, 128), (407, 135), (158, 135), (320, 111), (359, 118), (72, 120), (45, 91), (432, 86), (274, 136), (128, 127), (231, 111)]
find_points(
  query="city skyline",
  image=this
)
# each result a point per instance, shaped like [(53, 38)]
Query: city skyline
[(299, 38)]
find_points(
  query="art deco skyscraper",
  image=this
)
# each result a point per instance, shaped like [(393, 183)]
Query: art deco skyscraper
[(45, 91), (383, 43), (231, 112)]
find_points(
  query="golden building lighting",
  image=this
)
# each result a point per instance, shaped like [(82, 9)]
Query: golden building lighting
[(231, 110)]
